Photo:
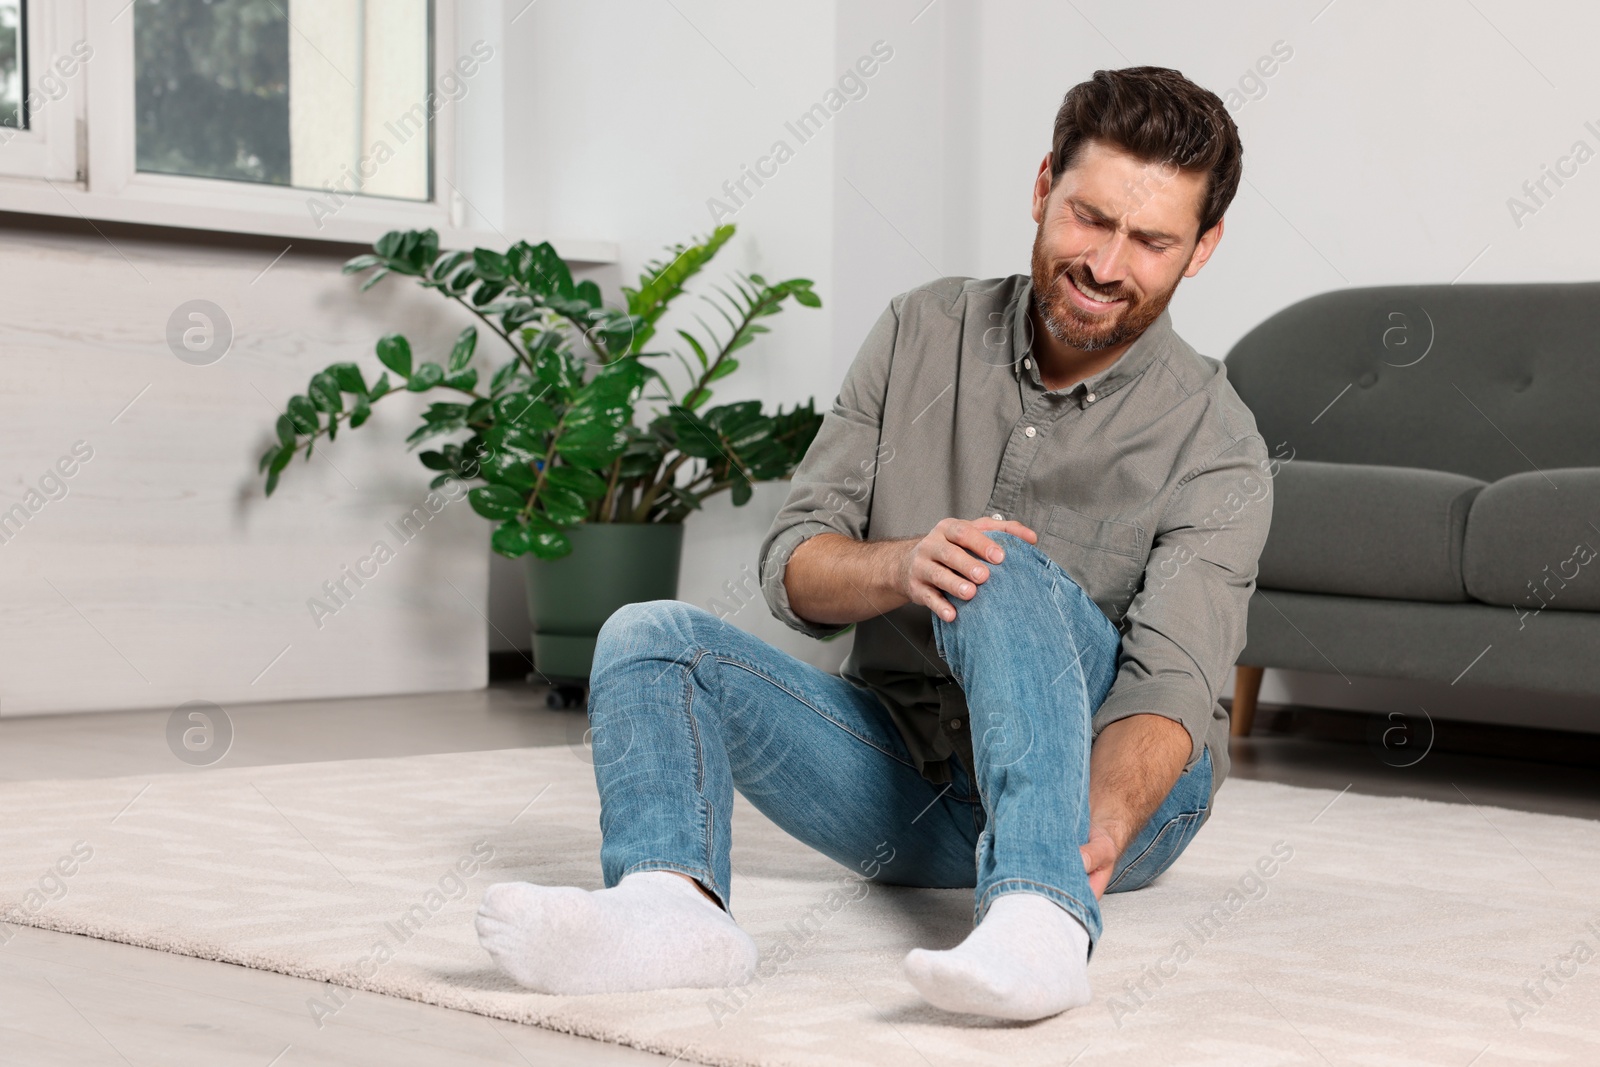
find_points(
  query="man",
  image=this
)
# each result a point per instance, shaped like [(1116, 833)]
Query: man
[(1043, 510)]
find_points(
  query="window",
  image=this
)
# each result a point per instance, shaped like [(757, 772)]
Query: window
[(313, 118)]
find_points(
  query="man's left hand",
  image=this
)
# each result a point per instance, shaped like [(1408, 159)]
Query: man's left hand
[(1099, 859)]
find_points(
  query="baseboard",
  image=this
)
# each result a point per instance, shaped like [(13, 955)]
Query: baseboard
[(510, 665), (1566, 747)]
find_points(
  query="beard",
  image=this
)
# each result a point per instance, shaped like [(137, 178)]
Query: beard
[(1076, 328)]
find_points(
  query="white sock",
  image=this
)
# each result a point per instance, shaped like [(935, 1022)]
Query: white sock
[(652, 930), (1027, 959)]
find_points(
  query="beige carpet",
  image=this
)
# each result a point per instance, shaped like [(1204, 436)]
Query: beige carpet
[(1387, 932)]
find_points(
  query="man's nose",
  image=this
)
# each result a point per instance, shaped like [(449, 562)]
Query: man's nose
[(1107, 260)]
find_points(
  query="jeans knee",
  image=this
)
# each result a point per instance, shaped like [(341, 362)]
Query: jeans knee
[(648, 628), (1019, 575)]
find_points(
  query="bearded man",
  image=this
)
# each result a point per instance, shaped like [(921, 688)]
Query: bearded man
[(1042, 510)]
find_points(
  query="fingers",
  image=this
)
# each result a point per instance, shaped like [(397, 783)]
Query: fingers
[(1007, 526), (954, 559)]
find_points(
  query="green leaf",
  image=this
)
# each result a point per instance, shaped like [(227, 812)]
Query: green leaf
[(461, 354), (394, 352), (512, 439), (725, 368), (808, 298), (434, 461), (324, 393), (541, 270), (585, 484), (740, 491), (279, 461), (502, 378), (664, 280), (425, 377), (448, 266), (563, 506), (377, 277), (286, 430), (594, 446), (463, 380), (388, 245), (548, 541), (303, 414), (526, 411), (360, 411), (495, 501), (694, 437), (504, 468), (348, 375), (694, 343), (512, 538), (490, 265), (380, 387), (589, 292)]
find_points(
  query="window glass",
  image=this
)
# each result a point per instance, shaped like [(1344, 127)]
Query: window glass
[(306, 93)]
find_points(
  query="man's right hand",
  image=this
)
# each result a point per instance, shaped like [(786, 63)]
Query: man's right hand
[(953, 560)]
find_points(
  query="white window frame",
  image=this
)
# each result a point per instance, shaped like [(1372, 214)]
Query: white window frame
[(49, 147), (100, 181)]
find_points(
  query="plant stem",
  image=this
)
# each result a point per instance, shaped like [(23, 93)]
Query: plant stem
[(642, 512)]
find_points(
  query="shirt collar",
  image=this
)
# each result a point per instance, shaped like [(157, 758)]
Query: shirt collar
[(1128, 366)]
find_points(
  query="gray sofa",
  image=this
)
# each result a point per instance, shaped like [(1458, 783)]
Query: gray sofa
[(1437, 478)]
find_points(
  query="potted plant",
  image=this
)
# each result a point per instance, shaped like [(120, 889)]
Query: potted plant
[(594, 502)]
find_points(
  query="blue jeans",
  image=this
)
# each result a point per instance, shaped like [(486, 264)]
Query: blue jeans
[(686, 708)]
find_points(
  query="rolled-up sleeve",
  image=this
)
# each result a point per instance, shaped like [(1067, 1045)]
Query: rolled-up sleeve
[(1186, 626), (831, 489)]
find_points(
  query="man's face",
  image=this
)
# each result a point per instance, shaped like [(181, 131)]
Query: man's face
[(1116, 235)]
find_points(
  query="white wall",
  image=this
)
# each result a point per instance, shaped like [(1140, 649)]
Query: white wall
[(625, 118), (1382, 151)]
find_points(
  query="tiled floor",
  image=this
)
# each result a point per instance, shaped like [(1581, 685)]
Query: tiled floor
[(75, 1000)]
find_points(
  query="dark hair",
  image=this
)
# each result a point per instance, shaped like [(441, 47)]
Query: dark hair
[(1159, 116)]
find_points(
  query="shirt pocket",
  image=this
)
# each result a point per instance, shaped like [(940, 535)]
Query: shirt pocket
[(1104, 556)]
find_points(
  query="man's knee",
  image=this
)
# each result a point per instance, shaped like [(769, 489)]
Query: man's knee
[(1012, 582), (649, 628)]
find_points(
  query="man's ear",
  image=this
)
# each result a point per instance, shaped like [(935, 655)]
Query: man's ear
[(1041, 189), (1203, 249)]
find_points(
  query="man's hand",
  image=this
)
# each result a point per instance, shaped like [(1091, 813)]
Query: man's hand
[(1133, 765), (1099, 859), (951, 559)]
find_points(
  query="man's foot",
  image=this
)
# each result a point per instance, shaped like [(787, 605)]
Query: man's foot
[(1027, 959), (652, 930)]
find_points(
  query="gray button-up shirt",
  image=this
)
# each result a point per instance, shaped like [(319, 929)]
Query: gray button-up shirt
[(1147, 482)]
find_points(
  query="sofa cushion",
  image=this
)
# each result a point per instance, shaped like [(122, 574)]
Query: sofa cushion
[(1533, 540), (1359, 530)]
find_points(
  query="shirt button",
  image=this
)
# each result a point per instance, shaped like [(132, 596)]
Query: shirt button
[(955, 724), (1090, 398), (1030, 431), (1027, 363), (997, 517)]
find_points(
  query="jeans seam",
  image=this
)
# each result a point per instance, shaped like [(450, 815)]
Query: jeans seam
[(699, 873), (1054, 891), (1154, 841), (735, 661)]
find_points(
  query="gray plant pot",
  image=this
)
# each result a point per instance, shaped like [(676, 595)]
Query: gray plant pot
[(611, 564)]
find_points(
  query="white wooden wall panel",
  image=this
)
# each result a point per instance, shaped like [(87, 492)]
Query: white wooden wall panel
[(164, 575)]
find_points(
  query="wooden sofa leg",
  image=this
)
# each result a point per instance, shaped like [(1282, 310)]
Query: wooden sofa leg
[(1246, 686)]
